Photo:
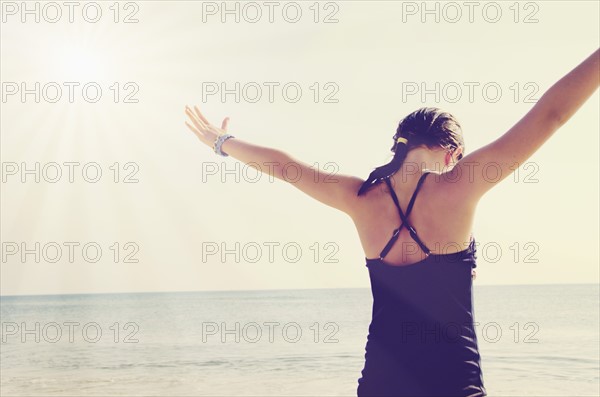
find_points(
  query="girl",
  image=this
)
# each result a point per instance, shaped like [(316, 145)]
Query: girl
[(421, 340)]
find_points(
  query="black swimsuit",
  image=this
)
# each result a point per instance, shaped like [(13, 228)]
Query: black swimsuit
[(422, 339)]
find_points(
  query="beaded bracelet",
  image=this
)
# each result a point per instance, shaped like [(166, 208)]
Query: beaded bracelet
[(219, 142)]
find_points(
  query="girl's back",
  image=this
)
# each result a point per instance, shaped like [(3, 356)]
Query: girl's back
[(441, 216), (422, 339)]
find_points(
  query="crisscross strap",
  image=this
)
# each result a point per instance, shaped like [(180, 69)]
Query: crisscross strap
[(411, 230)]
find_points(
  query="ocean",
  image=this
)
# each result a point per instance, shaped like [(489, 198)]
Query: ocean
[(540, 340)]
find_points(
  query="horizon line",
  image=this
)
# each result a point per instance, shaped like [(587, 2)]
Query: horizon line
[(267, 289)]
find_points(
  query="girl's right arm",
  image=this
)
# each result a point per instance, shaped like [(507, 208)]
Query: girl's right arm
[(512, 149)]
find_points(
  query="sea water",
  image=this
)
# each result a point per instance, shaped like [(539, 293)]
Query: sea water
[(538, 340)]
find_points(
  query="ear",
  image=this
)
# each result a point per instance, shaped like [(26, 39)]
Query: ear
[(447, 158), (458, 151)]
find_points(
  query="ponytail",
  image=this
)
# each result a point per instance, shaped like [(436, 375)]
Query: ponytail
[(429, 127), (387, 170)]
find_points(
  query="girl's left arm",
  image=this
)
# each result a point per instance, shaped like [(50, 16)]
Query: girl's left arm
[(335, 190)]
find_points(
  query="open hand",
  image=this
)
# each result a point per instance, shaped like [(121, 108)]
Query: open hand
[(206, 132)]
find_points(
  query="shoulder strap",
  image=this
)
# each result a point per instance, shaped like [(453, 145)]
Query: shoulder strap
[(412, 199), (412, 231)]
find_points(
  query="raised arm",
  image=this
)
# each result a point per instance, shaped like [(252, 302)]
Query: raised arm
[(512, 149), (332, 189)]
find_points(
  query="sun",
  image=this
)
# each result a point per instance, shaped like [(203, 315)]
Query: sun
[(83, 62), (79, 62)]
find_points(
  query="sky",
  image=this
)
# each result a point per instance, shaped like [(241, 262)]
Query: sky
[(104, 189)]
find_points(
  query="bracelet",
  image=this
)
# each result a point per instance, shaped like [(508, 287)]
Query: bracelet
[(219, 142)]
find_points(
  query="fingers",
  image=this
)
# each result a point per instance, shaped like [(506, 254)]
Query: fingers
[(200, 116), (197, 122), (201, 126), (194, 130)]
